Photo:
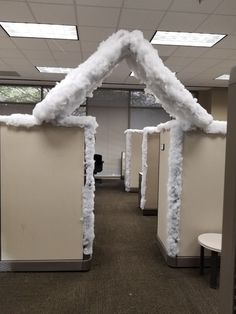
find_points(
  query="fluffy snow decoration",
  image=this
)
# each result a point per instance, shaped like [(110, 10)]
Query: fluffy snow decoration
[(174, 189), (128, 155), (89, 124), (216, 127), (146, 132), (147, 66), (20, 120)]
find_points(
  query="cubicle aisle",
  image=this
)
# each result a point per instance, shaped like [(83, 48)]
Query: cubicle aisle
[(128, 273)]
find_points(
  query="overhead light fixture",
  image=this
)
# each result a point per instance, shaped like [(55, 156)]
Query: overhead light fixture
[(132, 74), (57, 70), (186, 39), (223, 77), (32, 30)]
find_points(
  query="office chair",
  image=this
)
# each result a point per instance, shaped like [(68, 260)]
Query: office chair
[(98, 165)]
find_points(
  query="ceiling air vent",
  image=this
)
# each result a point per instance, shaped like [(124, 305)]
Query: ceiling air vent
[(9, 73)]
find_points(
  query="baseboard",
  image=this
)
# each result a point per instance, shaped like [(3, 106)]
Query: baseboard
[(107, 177), (133, 190), (149, 212), (181, 261), (46, 265)]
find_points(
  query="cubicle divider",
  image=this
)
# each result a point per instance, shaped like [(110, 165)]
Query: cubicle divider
[(46, 222), (133, 159), (199, 207)]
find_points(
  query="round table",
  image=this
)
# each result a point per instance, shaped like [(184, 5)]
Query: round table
[(212, 242)]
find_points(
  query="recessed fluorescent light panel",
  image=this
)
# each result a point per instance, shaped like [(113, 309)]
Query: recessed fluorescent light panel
[(186, 39), (223, 77), (132, 73), (32, 30), (54, 70)]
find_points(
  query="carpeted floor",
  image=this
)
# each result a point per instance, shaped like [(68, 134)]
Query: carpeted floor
[(128, 274)]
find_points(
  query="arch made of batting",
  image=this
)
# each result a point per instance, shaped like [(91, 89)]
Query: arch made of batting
[(147, 66)]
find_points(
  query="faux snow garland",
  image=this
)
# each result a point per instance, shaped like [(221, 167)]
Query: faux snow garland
[(128, 156), (146, 132), (89, 124), (147, 66), (174, 188)]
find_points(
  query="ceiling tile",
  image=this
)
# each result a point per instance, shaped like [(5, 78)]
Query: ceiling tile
[(64, 45), (193, 6), (96, 16), (4, 67), (227, 42), (52, 1), (3, 33), (40, 54), (102, 3), (175, 21), (15, 12), (51, 13), (174, 67), (178, 61), (184, 75), (227, 7), (11, 54), (202, 64), (89, 46), (30, 43), (165, 50), (220, 24), (2, 64), (147, 4), (17, 63), (189, 52), (96, 34), (7, 43), (73, 56), (43, 62), (87, 54), (219, 53), (140, 19)]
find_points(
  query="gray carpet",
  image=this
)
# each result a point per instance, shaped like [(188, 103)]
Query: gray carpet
[(128, 274)]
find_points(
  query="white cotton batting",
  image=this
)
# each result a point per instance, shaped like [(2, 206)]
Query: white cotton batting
[(146, 64), (174, 189), (146, 132)]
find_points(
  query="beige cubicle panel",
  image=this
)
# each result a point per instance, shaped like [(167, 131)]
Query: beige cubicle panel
[(136, 161), (42, 177), (202, 192), (152, 175)]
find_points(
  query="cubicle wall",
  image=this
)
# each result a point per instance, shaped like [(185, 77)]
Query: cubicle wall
[(42, 177), (152, 174), (202, 192), (135, 162)]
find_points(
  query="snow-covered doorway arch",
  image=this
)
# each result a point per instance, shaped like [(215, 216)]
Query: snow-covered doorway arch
[(147, 66)]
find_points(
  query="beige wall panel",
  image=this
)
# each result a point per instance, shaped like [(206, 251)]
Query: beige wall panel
[(204, 98), (203, 187), (219, 103), (41, 185), (152, 170), (163, 179), (136, 159)]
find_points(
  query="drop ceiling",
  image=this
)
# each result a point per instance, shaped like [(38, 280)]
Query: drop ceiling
[(97, 19)]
